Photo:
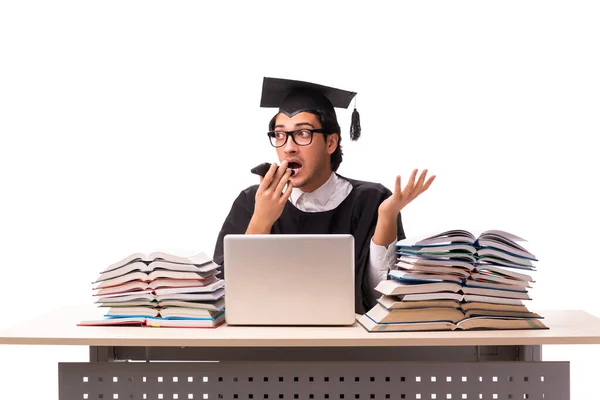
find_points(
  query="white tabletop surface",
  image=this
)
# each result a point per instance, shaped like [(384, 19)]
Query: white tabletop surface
[(59, 327)]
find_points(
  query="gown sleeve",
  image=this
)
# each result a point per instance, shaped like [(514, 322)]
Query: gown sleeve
[(236, 222)]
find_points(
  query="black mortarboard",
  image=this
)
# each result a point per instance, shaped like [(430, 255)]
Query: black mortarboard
[(293, 97)]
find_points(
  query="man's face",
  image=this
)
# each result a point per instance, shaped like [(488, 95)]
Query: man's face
[(310, 163)]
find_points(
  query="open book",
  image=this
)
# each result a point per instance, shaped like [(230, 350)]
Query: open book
[(197, 259), (404, 302), (158, 322), (150, 296), (211, 291), (160, 274), (483, 306), (381, 315), (396, 288), (454, 236), (432, 269), (468, 323), (414, 259), (168, 313), (149, 300), (487, 243), (510, 294), (420, 276), (140, 267), (142, 285)]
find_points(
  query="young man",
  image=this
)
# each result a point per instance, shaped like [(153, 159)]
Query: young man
[(305, 195)]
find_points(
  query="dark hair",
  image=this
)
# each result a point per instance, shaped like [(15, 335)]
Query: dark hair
[(330, 125)]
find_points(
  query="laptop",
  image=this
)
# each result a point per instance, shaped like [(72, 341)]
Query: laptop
[(289, 279)]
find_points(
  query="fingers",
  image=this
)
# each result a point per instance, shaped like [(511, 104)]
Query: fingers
[(397, 189), (421, 185), (284, 179), (410, 186), (288, 191), (268, 178), (418, 187), (279, 174), (411, 181), (273, 176), (413, 189), (428, 183), (422, 178)]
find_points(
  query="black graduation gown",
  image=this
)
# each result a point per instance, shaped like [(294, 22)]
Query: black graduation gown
[(356, 215)]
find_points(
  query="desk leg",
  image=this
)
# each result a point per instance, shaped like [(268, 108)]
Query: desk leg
[(102, 354), (530, 353)]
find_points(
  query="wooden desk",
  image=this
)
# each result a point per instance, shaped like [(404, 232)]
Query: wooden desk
[(307, 362)]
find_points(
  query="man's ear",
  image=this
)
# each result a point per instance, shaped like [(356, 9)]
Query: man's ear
[(332, 142)]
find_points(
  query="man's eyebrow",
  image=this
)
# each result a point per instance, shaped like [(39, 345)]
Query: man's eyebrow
[(297, 125)]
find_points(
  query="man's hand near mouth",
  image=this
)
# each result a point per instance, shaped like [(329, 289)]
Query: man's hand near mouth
[(271, 198)]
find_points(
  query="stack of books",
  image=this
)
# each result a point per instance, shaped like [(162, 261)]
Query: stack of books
[(456, 280), (499, 282), (161, 290)]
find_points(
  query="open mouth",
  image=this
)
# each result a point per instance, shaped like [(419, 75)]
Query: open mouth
[(295, 167)]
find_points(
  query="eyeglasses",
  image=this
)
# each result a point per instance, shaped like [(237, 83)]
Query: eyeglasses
[(302, 137)]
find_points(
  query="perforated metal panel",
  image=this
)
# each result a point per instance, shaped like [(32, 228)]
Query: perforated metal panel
[(314, 380)]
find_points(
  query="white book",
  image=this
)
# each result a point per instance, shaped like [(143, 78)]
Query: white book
[(428, 296), (197, 259), (218, 305), (396, 302), (373, 326), (502, 246), (393, 287), (204, 270), (154, 275), (411, 259), (183, 312), (496, 285), (449, 237), (132, 303), (509, 294), (158, 322), (209, 296), (426, 269), (133, 311), (505, 271), (193, 289), (468, 323), (120, 297), (495, 254), (420, 276), (380, 314), (156, 284), (466, 257), (500, 279), (491, 299)]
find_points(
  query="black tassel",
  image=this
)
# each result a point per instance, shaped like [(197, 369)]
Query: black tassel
[(355, 125)]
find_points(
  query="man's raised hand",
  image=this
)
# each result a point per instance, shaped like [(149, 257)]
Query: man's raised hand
[(401, 198)]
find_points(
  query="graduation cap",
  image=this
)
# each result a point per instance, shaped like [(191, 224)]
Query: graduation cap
[(293, 97)]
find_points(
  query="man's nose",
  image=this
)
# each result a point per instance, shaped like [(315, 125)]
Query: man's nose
[(290, 146)]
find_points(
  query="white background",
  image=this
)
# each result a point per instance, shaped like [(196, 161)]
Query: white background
[(132, 125)]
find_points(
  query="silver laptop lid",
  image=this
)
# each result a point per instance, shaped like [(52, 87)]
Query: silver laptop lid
[(289, 279)]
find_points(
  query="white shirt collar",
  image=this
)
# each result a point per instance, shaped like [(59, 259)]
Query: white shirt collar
[(319, 196)]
